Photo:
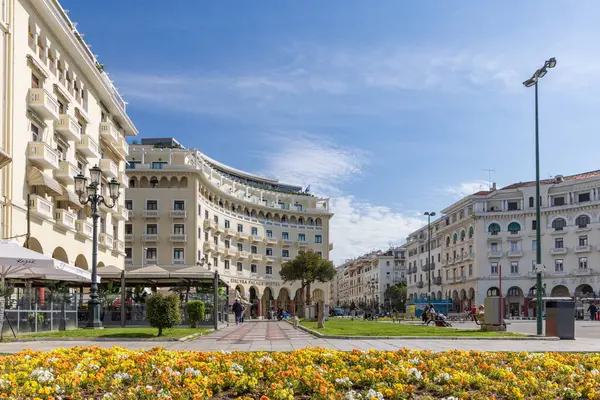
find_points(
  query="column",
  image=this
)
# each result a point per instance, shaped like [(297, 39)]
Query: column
[(259, 307), (293, 308)]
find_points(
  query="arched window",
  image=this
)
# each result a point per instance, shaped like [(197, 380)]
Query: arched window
[(582, 221), (531, 202), (470, 232), (493, 292), (514, 227), (494, 228), (447, 241), (462, 235), (454, 238), (558, 224)]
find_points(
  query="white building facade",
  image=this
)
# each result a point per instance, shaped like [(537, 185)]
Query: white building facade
[(420, 260)]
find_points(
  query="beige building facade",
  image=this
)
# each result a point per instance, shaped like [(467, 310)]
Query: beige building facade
[(60, 116), (186, 209), (418, 263)]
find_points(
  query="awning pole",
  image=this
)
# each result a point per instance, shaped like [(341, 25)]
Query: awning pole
[(216, 301), (122, 299)]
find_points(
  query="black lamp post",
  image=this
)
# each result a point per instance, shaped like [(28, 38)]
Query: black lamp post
[(533, 81), (429, 215), (89, 194)]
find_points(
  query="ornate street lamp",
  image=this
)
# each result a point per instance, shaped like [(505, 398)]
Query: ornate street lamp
[(428, 263), (89, 194), (533, 81)]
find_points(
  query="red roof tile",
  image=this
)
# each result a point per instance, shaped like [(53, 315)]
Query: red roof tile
[(570, 178), (482, 193)]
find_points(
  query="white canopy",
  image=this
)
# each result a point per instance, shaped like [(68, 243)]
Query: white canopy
[(17, 262)]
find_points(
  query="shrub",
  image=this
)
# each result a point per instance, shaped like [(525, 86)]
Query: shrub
[(195, 311), (162, 311)]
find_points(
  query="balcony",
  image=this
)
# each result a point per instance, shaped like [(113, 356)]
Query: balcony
[(179, 238), (65, 218), (84, 228), (514, 253), (437, 280), (243, 254), (41, 206), (66, 172), (330, 246), (287, 243), (119, 245), (123, 180), (444, 262), (150, 261), (255, 238), (229, 232), (494, 254), (582, 272), (68, 127), (242, 235), (129, 237), (150, 237), (582, 249), (303, 244), (88, 146), (231, 253), (270, 259), (256, 257), (43, 103), (558, 250), (208, 224), (420, 284), (271, 241), (109, 132), (109, 168), (105, 240), (178, 261), (178, 214), (130, 214), (42, 155), (469, 256), (122, 148), (209, 246), (120, 213), (150, 213)]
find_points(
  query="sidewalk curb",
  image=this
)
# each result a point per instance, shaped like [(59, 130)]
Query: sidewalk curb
[(521, 338)]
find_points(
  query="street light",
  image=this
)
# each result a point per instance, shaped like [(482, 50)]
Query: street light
[(429, 215), (533, 81), (89, 195)]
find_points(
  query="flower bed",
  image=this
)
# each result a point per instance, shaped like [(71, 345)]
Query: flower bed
[(95, 373)]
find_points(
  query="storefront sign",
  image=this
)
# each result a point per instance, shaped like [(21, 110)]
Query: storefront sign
[(254, 282)]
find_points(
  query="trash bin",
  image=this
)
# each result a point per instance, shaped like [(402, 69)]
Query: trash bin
[(560, 319)]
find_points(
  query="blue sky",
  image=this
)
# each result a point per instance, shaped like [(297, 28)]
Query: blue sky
[(392, 108)]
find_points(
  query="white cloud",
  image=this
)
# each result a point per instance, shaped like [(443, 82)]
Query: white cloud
[(463, 189), (357, 226)]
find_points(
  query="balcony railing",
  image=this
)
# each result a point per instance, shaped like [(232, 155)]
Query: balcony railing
[(287, 242), (66, 172), (84, 228), (243, 254), (109, 132), (130, 214), (209, 246), (179, 261), (177, 237), (515, 253), (109, 168), (119, 245), (150, 237), (558, 250), (41, 206), (69, 127), (43, 103), (120, 213), (150, 213), (437, 280), (129, 237), (242, 235), (65, 218), (582, 249), (420, 284), (208, 224), (42, 155), (106, 240), (270, 240), (88, 147), (178, 214), (255, 238), (494, 254), (229, 232), (582, 272), (231, 252)]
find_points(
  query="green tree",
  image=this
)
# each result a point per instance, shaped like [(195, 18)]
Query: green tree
[(307, 267), (395, 296), (162, 311), (195, 312)]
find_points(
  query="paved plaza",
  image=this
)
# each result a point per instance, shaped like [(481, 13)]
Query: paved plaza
[(281, 336)]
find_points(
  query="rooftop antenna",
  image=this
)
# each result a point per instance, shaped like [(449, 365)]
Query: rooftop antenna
[(489, 171)]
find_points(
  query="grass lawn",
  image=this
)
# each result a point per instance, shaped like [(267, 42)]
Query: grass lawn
[(128, 333), (346, 327)]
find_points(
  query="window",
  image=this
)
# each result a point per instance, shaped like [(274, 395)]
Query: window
[(206, 236), (387, 263), (301, 237), (494, 247), (514, 227), (531, 202), (253, 268), (470, 270), (558, 224), (128, 229), (583, 197), (559, 201), (151, 253), (494, 266), (269, 270), (285, 253), (199, 255), (514, 246), (240, 267), (216, 219), (199, 232), (583, 263), (512, 205), (533, 265), (200, 210), (285, 236), (470, 232), (583, 240), (35, 81), (319, 253), (533, 245), (178, 254), (463, 234), (215, 262), (494, 228), (227, 225), (179, 205), (533, 225), (240, 228), (514, 267), (253, 249), (582, 221), (447, 274), (269, 234), (179, 229), (318, 239), (558, 266), (158, 164), (216, 240), (240, 247), (151, 205), (454, 238), (269, 251), (128, 252), (227, 243), (226, 264), (254, 231), (206, 214), (152, 229), (129, 204)]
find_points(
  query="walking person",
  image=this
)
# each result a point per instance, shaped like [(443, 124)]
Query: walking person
[(593, 310), (237, 310)]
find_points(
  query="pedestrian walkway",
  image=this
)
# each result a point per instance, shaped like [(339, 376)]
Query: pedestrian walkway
[(257, 331)]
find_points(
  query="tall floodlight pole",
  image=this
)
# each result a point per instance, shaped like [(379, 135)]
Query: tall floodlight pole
[(428, 263), (533, 81)]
